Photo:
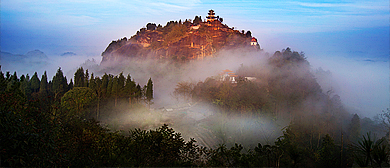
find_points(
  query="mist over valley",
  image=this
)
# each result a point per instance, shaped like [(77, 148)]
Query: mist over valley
[(196, 92)]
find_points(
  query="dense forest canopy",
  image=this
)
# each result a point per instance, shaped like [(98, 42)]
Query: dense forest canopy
[(211, 98), (59, 123)]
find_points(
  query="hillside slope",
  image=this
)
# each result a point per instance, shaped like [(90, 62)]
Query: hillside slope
[(180, 41)]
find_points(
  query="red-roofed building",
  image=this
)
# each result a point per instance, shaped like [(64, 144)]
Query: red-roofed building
[(254, 42)]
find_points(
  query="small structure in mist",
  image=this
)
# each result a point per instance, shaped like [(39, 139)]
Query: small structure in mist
[(254, 41), (228, 75)]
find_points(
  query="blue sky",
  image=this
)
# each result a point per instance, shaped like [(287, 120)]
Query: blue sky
[(57, 26), (348, 37)]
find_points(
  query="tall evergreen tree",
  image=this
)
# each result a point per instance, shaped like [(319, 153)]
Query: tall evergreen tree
[(86, 78), (26, 87), (60, 84), (109, 86), (43, 91), (354, 129), (8, 75), (70, 86), (98, 87), (92, 83), (149, 92), (130, 88), (121, 85), (13, 83), (115, 89), (104, 85), (138, 92), (3, 81), (79, 78), (35, 83)]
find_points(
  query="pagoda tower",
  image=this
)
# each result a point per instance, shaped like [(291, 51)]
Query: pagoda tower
[(211, 17)]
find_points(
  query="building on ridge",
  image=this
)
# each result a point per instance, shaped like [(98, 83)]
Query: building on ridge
[(211, 17), (254, 42)]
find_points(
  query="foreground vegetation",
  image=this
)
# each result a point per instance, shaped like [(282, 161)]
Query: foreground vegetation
[(56, 123)]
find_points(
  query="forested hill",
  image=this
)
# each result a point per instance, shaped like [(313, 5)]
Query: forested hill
[(180, 40)]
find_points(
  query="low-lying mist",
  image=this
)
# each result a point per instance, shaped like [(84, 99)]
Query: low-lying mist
[(362, 84), (206, 124), (39, 62), (362, 87)]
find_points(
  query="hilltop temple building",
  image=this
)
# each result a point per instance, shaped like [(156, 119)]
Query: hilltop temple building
[(254, 41), (211, 17)]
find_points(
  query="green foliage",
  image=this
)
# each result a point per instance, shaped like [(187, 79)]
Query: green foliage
[(183, 90), (151, 26), (381, 153), (27, 137), (371, 152), (35, 83), (44, 85), (129, 89), (328, 153), (354, 129), (3, 82), (79, 78), (43, 133), (60, 84), (177, 31), (149, 91), (197, 20), (363, 148), (223, 157), (76, 102)]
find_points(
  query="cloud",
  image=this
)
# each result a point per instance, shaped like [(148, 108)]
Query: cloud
[(82, 20), (362, 85), (320, 5)]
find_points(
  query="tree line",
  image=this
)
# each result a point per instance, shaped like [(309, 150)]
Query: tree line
[(55, 123)]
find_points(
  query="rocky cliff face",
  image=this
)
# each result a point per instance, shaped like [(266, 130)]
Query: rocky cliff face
[(179, 41)]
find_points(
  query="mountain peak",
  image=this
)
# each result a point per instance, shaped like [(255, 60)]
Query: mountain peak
[(36, 54), (181, 41)]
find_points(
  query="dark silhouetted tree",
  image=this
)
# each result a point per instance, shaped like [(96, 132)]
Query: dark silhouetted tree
[(60, 84), (35, 82), (354, 128), (248, 34), (43, 89), (197, 20), (130, 88), (151, 26), (79, 78), (149, 92)]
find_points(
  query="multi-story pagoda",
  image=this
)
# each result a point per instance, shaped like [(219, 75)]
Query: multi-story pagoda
[(211, 17)]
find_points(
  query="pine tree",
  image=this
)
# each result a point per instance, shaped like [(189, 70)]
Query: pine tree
[(138, 92), (60, 84), (43, 91), (354, 129), (3, 81), (79, 78), (35, 83), (105, 81), (115, 89), (98, 87), (70, 86), (109, 86), (121, 85), (13, 84), (149, 92), (130, 88), (86, 78), (92, 83)]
